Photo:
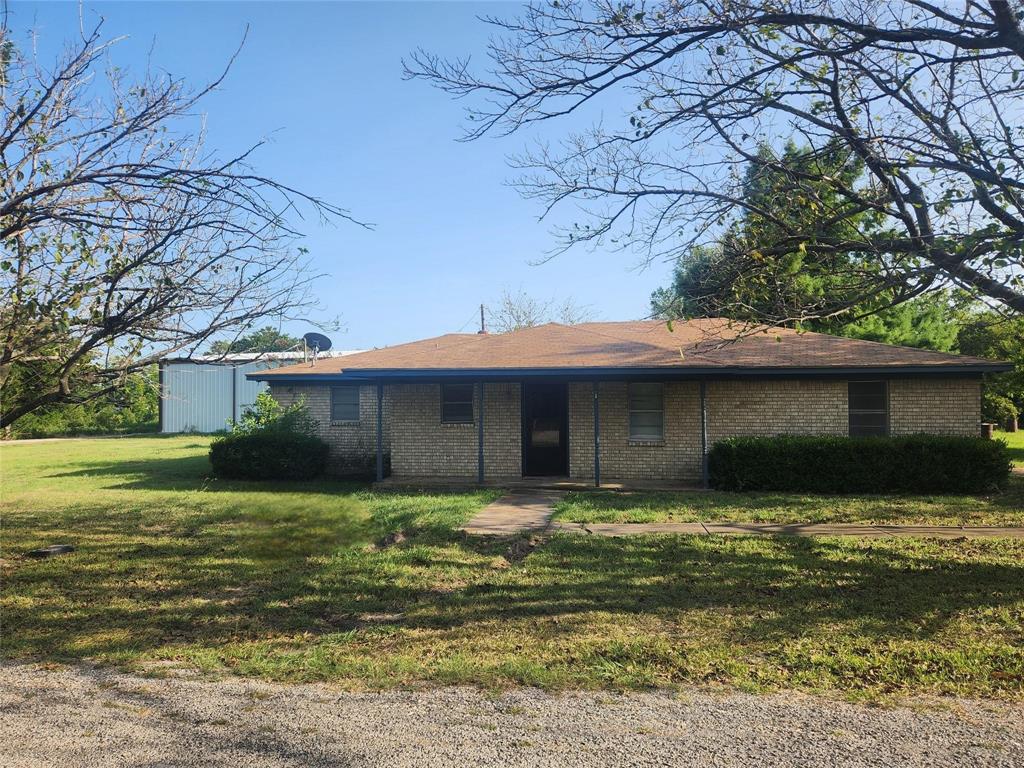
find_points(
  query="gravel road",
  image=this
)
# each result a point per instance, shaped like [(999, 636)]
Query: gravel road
[(80, 716)]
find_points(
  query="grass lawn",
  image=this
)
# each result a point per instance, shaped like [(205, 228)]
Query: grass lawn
[(1016, 442), (1005, 508), (284, 582)]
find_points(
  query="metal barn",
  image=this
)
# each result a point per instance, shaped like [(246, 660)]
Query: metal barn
[(205, 394)]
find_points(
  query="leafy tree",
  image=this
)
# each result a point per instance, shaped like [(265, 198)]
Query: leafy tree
[(132, 407), (123, 239), (924, 97), (928, 322), (991, 335), (266, 339), (729, 279)]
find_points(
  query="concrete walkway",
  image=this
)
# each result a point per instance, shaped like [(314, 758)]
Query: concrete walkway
[(791, 529), (520, 512), (524, 511), (514, 513)]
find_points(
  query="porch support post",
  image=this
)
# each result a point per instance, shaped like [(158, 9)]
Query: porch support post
[(234, 395), (480, 436), (380, 431), (597, 436), (704, 434)]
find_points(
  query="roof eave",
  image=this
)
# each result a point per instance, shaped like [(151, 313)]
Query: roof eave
[(591, 372)]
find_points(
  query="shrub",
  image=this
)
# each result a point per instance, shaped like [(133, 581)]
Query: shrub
[(268, 415), (271, 443), (268, 456), (912, 464)]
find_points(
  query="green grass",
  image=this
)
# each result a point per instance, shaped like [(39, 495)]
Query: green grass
[(1005, 508), (1016, 442), (284, 582)]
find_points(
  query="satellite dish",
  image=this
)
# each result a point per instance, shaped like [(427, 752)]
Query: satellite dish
[(316, 342)]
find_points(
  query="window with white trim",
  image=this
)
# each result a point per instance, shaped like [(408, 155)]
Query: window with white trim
[(869, 408), (646, 411), (345, 403)]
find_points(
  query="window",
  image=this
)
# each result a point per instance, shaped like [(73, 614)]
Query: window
[(456, 403), (646, 412), (869, 411), (344, 403)]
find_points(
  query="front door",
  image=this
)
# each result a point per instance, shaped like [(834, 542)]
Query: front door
[(545, 429)]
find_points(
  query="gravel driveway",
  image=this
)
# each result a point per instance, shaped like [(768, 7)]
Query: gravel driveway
[(89, 717)]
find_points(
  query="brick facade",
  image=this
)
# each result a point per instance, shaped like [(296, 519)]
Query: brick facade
[(677, 456), (776, 407), (941, 406), (419, 445), (424, 447)]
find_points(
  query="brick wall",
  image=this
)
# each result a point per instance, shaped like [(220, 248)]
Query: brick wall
[(676, 457), (779, 407), (419, 445), (424, 447), (503, 430), (943, 406), (353, 444), (750, 408)]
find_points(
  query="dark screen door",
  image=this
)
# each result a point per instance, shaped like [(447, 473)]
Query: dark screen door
[(545, 428)]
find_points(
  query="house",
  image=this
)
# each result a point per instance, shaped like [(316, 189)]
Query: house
[(207, 392), (617, 401)]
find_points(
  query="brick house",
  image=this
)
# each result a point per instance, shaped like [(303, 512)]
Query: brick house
[(614, 401)]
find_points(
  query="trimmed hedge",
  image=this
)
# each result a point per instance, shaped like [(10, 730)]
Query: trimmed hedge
[(912, 464), (269, 456)]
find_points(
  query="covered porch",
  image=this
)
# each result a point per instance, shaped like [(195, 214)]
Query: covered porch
[(617, 432), (536, 484)]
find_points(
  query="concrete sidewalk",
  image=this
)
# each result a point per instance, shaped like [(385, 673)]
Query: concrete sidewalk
[(520, 512), (514, 513), (792, 529)]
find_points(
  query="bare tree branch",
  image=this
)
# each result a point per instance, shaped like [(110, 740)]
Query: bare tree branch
[(124, 240), (927, 96)]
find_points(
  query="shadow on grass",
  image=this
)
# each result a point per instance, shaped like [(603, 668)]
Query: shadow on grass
[(185, 473), (232, 578)]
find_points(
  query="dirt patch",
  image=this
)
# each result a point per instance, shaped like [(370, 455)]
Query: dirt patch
[(392, 539), (520, 549)]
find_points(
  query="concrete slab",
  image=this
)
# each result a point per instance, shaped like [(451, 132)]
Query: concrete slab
[(630, 529), (793, 529), (514, 513), (536, 483), (992, 531), (931, 531)]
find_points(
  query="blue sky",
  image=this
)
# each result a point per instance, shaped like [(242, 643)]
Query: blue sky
[(324, 82)]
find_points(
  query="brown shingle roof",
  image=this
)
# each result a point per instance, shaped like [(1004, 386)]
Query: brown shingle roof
[(696, 344)]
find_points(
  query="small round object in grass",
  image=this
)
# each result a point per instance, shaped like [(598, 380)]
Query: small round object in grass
[(51, 551)]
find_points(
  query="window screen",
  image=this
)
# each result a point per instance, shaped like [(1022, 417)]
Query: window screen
[(456, 403), (345, 404), (869, 408), (646, 412)]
